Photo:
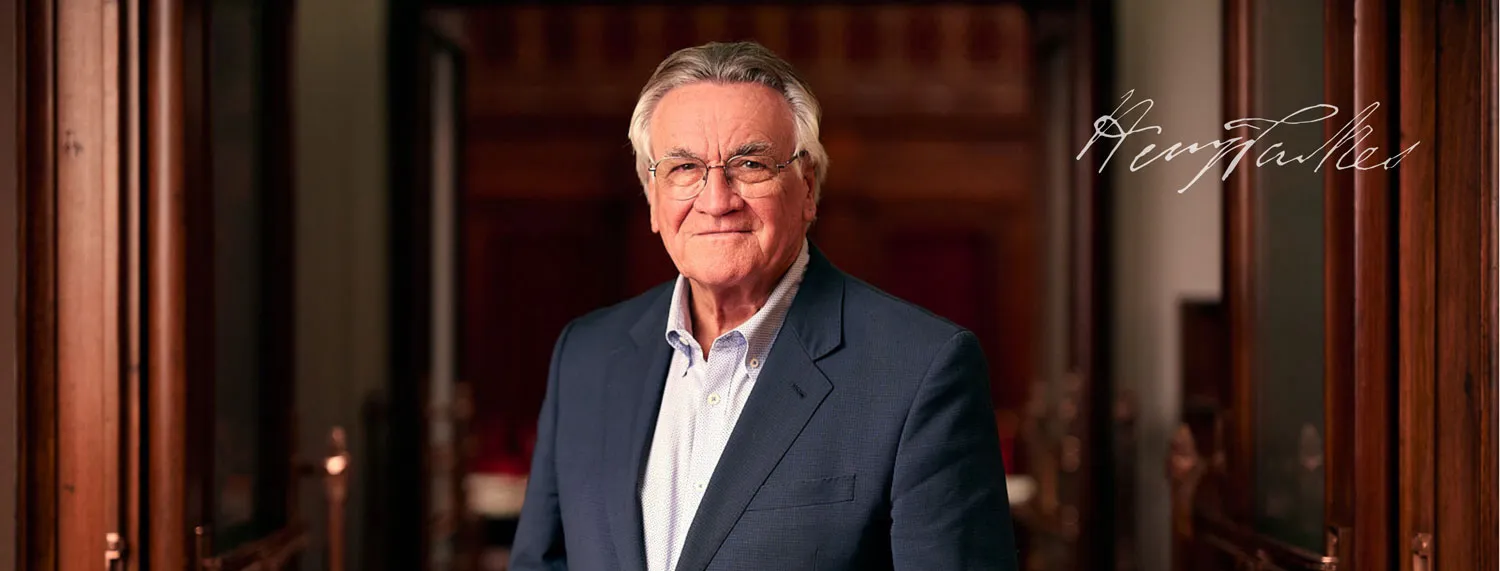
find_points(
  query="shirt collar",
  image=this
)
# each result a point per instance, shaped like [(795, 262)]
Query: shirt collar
[(759, 331)]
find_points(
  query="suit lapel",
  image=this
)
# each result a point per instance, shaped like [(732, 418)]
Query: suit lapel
[(788, 391), (636, 375)]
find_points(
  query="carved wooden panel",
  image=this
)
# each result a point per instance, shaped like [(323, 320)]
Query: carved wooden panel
[(947, 59), (530, 267)]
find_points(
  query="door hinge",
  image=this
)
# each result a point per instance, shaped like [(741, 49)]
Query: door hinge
[(114, 551)]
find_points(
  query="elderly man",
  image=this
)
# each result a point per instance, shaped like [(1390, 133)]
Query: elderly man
[(763, 411)]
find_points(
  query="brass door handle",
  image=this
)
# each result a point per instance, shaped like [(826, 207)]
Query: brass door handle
[(1421, 552)]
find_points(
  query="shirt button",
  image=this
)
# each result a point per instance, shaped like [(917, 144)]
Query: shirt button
[(701, 485), (754, 363), (713, 399)]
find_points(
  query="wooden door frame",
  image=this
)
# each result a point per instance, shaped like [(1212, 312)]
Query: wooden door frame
[(1090, 330), (1410, 302), (412, 45), (108, 173)]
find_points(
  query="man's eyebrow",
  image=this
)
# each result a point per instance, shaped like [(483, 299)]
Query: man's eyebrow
[(680, 153), (752, 148)]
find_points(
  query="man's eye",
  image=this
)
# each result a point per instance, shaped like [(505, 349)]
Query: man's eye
[(685, 167), (752, 164)]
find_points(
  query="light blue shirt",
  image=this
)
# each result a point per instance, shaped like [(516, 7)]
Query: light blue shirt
[(700, 404)]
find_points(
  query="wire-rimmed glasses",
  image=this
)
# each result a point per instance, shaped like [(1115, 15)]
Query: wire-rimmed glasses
[(684, 177)]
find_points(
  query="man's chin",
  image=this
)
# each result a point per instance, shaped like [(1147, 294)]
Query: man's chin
[(720, 274), (724, 237)]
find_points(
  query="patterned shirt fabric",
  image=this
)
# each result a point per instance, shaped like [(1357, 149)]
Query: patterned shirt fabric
[(700, 404)]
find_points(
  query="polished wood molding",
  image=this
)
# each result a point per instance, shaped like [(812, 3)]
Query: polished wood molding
[(1240, 268), (166, 300), (1338, 274), (134, 438), (1375, 332)]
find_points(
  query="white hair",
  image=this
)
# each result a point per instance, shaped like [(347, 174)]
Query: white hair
[(728, 63)]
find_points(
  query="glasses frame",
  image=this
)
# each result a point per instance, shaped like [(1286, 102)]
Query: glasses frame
[(703, 183)]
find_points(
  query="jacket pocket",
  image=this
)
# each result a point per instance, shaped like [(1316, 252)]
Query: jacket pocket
[(799, 493)]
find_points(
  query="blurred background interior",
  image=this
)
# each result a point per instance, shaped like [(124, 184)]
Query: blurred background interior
[(394, 207)]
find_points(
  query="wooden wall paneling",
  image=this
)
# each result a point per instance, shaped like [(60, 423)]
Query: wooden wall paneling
[(853, 76), (38, 484), (1460, 544), (1374, 335), (166, 261), (649, 265), (517, 319), (1417, 271), (1239, 280), (501, 165), (844, 215), (772, 28), (1338, 289), (1016, 290)]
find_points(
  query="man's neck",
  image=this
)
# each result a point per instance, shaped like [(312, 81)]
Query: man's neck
[(714, 311)]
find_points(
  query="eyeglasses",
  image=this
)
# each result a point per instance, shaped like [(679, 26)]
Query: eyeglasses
[(684, 177)]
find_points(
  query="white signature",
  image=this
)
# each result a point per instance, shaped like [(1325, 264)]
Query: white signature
[(1350, 136)]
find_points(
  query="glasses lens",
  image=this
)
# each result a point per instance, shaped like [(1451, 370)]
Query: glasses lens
[(751, 169), (680, 173)]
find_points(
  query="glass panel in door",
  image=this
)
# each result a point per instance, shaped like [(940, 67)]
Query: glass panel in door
[(1289, 297)]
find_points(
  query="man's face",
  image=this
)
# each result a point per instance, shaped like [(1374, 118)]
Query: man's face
[(719, 238)]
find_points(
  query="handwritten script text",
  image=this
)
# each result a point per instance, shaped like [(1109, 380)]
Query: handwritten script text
[(1347, 139)]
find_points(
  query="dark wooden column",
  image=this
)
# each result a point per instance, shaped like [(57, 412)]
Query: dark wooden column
[(166, 296)]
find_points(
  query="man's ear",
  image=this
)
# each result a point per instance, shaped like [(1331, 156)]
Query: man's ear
[(651, 212), (810, 202)]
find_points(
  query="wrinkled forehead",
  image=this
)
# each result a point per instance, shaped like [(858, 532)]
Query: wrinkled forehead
[(711, 119)]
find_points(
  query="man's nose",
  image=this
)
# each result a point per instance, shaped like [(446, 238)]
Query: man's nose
[(719, 195)]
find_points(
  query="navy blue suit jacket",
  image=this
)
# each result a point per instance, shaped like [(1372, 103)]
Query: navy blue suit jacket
[(869, 442)]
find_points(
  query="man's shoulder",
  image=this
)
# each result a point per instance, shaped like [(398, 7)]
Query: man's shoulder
[(877, 313), (609, 323)]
